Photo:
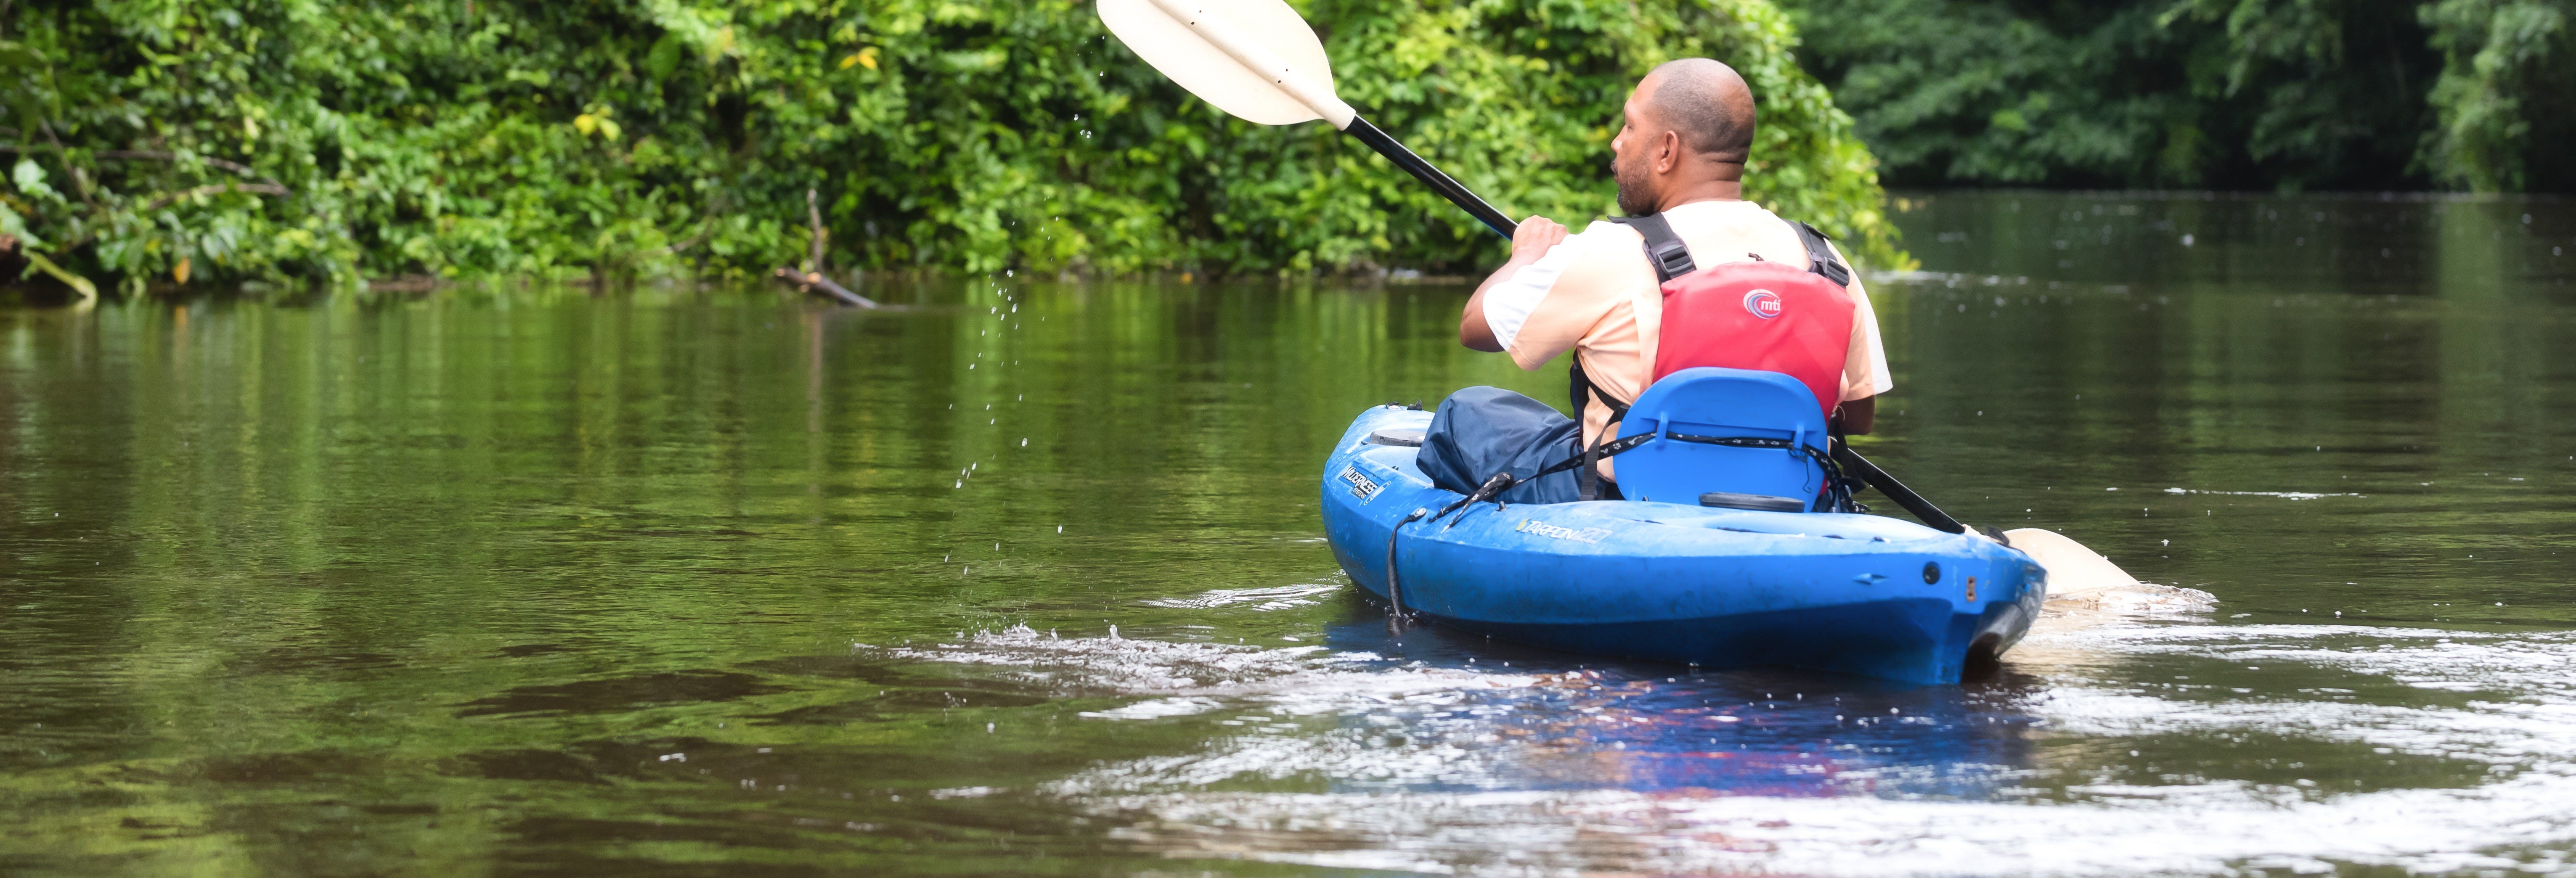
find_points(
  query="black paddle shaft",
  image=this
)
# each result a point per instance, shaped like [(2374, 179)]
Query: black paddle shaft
[(1431, 176), (1896, 490)]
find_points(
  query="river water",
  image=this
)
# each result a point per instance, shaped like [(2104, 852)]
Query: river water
[(1026, 577)]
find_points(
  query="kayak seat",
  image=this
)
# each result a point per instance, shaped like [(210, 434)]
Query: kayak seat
[(1734, 438)]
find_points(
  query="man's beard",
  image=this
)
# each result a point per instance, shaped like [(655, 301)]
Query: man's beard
[(1634, 200)]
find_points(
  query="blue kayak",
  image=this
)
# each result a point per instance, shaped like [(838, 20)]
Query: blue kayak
[(1713, 587)]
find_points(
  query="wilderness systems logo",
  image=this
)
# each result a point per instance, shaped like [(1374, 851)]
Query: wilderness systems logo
[(1361, 486), (1762, 303), (1544, 529)]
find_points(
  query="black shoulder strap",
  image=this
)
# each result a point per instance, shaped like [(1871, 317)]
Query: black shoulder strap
[(1587, 485), (1820, 256), (1664, 250)]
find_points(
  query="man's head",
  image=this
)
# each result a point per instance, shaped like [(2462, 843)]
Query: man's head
[(1687, 126)]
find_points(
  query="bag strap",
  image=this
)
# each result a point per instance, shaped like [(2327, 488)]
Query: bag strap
[(1587, 482), (1820, 255), (1670, 259), (1664, 250), (1583, 387)]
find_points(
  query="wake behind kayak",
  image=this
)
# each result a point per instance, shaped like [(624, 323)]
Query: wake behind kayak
[(1718, 588)]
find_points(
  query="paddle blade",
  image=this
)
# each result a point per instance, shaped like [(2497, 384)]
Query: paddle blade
[(2072, 568), (1160, 32)]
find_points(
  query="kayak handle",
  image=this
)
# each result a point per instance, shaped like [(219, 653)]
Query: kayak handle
[(1395, 591)]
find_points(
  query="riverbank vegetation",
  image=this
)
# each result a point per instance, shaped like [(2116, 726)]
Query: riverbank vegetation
[(162, 142), (2230, 94)]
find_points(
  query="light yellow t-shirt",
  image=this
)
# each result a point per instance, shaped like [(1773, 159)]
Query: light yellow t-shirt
[(1594, 294)]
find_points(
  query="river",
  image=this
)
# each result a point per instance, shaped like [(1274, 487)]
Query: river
[(686, 581)]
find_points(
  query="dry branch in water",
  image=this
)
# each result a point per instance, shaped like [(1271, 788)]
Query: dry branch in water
[(815, 282)]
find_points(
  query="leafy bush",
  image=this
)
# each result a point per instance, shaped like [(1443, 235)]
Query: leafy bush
[(2133, 94), (2506, 100), (2238, 94), (239, 139)]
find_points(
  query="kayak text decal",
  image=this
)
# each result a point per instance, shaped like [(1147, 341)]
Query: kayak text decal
[(1544, 529), (1361, 486)]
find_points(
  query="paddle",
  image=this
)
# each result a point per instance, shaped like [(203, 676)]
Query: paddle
[(2072, 568), (1258, 60)]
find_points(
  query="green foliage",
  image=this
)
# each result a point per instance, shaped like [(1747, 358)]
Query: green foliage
[(2508, 87), (2288, 94), (239, 139)]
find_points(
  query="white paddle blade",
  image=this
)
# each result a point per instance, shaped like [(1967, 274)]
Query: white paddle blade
[(1224, 51), (2072, 569)]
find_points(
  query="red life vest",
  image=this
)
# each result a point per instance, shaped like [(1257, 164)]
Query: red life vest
[(1759, 315)]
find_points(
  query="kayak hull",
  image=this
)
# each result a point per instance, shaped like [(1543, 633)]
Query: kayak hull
[(1718, 588)]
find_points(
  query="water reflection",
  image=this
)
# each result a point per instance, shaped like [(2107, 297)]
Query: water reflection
[(1028, 579), (1651, 727)]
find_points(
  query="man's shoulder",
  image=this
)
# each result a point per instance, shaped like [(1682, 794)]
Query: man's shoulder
[(1602, 231), (1606, 241), (1728, 217), (1610, 262)]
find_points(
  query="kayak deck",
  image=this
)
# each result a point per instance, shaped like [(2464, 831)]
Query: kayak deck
[(1719, 588)]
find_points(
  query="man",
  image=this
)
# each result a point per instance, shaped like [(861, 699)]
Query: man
[(1687, 133)]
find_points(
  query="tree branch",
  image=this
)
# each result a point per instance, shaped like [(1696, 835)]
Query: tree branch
[(814, 219), (226, 164), (157, 156), (705, 228), (815, 282), (217, 189), (77, 177)]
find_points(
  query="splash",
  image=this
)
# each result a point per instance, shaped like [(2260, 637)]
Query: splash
[(1310, 758), (2133, 600), (1262, 599), (1309, 679), (2285, 495), (1462, 799)]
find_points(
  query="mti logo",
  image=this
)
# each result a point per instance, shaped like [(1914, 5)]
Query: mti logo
[(1762, 303)]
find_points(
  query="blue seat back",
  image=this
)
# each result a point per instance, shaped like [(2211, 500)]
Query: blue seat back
[(1689, 407)]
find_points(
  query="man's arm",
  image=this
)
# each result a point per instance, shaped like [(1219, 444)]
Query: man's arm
[(1529, 242), (1857, 416), (1865, 367)]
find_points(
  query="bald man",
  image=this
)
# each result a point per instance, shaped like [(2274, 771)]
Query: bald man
[(1687, 133)]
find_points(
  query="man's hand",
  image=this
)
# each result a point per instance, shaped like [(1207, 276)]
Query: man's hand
[(1857, 416), (1533, 237), (1531, 240)]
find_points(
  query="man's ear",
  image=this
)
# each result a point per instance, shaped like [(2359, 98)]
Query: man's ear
[(1668, 152)]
